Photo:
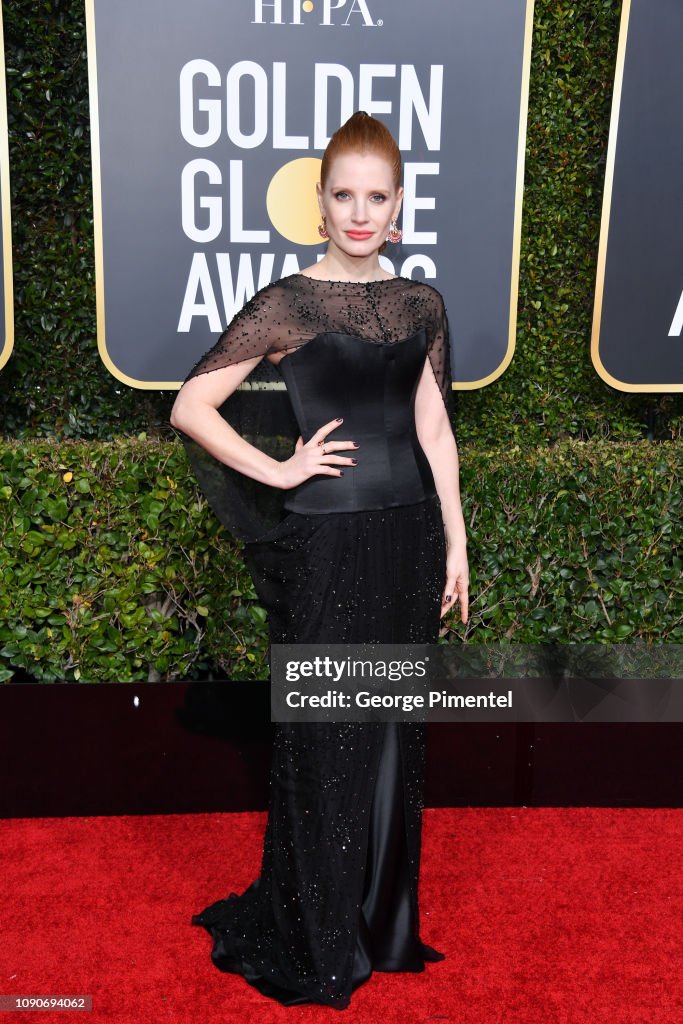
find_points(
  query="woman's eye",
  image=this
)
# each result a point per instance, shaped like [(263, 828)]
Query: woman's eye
[(376, 197)]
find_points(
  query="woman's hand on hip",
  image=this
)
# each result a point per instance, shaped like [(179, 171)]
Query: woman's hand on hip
[(315, 457)]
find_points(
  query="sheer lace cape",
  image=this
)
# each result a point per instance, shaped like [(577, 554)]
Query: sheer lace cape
[(282, 317)]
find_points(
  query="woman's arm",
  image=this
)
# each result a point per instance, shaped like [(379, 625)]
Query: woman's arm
[(436, 438), (195, 412)]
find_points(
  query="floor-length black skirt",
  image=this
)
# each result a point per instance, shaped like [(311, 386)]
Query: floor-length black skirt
[(337, 895)]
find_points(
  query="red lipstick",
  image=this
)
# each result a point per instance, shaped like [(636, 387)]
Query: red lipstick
[(359, 236)]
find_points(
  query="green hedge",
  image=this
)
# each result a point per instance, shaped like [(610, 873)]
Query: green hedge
[(55, 384), (114, 569)]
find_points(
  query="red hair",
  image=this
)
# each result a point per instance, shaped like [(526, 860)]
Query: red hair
[(362, 134)]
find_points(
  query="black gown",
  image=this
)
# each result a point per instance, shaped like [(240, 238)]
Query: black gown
[(352, 559)]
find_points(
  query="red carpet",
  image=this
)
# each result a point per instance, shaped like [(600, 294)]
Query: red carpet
[(546, 916)]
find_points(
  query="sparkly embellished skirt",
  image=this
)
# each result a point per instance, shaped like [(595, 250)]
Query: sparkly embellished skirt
[(337, 895)]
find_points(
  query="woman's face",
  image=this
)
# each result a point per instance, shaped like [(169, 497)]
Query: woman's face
[(359, 202)]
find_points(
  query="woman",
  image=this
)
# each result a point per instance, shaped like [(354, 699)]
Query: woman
[(369, 546)]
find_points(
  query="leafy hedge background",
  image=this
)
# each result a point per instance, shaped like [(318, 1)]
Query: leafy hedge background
[(57, 395), (115, 571)]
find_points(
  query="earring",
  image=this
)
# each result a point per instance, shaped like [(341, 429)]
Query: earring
[(322, 229), (395, 233)]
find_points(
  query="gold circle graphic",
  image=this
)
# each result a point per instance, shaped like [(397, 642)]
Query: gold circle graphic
[(307, 6), (291, 201)]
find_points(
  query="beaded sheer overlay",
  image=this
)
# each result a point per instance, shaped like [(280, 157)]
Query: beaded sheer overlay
[(280, 319)]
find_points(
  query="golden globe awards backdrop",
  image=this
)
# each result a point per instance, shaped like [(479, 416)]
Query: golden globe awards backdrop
[(6, 286), (637, 342), (209, 120)]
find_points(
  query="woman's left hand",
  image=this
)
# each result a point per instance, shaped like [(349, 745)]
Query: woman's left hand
[(457, 581)]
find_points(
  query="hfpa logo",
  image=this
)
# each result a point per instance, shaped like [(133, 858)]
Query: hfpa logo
[(333, 12)]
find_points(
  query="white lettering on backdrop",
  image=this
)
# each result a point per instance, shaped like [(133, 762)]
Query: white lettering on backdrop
[(248, 106)]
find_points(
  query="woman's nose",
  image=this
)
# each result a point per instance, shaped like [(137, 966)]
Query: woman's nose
[(360, 213)]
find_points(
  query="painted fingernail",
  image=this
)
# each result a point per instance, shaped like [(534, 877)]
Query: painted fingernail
[(354, 462), (448, 597), (340, 419), (341, 472)]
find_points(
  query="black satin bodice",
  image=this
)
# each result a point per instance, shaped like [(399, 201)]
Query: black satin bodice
[(344, 348), (372, 385)]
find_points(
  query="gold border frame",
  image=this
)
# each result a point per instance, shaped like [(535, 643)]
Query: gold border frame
[(471, 385), (97, 208), (598, 365), (97, 213), (6, 213)]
